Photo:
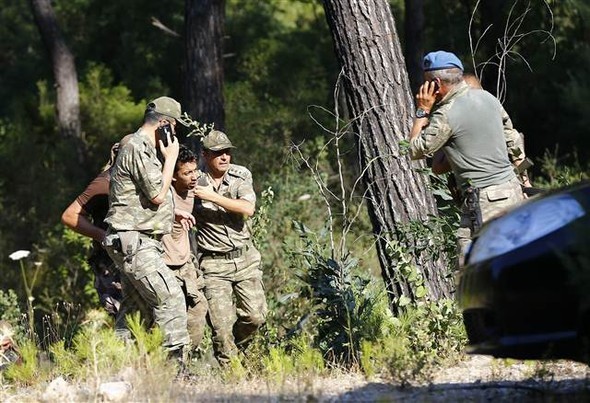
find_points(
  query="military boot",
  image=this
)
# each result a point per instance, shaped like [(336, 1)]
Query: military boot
[(180, 358)]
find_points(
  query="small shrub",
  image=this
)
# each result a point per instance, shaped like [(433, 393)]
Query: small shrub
[(10, 312), (28, 371), (278, 365), (308, 360), (431, 333), (558, 171)]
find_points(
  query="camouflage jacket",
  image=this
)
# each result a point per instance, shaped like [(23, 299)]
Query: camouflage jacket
[(136, 178), (476, 134), (217, 229)]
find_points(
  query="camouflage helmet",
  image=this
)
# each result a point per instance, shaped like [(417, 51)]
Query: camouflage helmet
[(168, 107), (216, 140)]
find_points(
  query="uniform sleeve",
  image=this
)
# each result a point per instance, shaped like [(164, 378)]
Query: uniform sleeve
[(514, 140), (246, 188), (432, 137), (146, 172)]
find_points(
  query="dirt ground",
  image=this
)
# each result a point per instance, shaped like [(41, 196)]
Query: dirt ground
[(476, 379)]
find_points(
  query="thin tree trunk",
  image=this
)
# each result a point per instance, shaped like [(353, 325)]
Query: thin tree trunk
[(65, 75), (378, 94), (204, 30), (414, 29)]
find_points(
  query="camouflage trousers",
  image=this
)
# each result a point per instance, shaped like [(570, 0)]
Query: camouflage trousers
[(237, 305), (493, 201), (191, 281), (151, 285)]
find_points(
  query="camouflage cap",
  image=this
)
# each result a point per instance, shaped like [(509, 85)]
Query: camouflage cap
[(216, 140), (167, 106)]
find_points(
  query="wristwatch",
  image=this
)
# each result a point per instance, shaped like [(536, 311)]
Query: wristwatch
[(421, 113)]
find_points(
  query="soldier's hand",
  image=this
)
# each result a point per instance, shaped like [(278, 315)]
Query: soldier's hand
[(204, 192), (171, 150), (426, 96), (186, 219)]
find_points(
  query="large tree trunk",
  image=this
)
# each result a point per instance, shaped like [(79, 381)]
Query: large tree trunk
[(414, 29), (378, 94), (65, 75), (204, 30)]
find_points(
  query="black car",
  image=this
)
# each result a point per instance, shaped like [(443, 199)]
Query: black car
[(525, 289)]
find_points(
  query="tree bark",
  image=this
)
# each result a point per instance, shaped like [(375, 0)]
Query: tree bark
[(414, 29), (204, 30), (65, 75), (378, 93)]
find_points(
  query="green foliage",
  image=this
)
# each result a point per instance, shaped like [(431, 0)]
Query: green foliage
[(338, 297), (23, 60), (93, 352), (424, 336), (294, 196), (71, 278), (432, 238), (147, 344), (298, 359), (62, 323), (10, 312), (96, 351), (235, 371), (261, 221), (28, 372), (425, 240), (108, 111), (65, 360), (306, 359), (556, 173), (144, 58), (282, 61), (279, 60), (278, 365)]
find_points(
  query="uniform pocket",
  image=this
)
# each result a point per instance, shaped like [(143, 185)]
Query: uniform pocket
[(144, 262), (499, 194)]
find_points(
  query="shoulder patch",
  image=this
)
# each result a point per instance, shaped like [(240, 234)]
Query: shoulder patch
[(239, 171)]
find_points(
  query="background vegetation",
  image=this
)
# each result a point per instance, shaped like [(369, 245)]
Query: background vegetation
[(278, 61)]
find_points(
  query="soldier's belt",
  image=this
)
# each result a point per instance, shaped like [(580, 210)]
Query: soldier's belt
[(157, 237), (232, 254)]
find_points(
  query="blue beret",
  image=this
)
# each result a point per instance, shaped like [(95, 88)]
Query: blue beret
[(441, 60)]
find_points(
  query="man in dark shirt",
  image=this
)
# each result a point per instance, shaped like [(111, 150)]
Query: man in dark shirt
[(86, 216)]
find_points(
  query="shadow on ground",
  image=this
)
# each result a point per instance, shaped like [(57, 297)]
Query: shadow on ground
[(523, 391)]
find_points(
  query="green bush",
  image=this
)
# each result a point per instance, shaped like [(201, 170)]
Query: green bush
[(10, 312), (557, 171)]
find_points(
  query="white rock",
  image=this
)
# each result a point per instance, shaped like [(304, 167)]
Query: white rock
[(59, 390), (114, 391)]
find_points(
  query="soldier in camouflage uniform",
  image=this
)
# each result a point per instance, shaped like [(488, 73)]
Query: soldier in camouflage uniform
[(177, 246), (473, 130), (141, 212), (516, 152), (86, 216), (227, 257)]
